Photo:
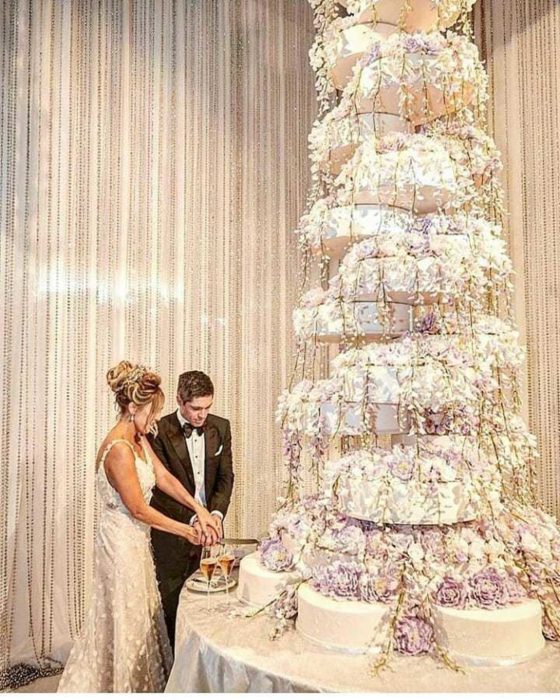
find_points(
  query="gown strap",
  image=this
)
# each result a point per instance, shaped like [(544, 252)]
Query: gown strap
[(115, 442)]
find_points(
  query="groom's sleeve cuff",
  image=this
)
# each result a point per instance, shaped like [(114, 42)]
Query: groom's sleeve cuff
[(194, 518)]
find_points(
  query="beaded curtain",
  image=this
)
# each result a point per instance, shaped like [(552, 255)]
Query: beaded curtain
[(153, 166), (520, 42)]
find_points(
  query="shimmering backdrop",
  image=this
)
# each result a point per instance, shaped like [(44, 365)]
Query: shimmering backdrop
[(153, 168), (153, 165), (521, 43)]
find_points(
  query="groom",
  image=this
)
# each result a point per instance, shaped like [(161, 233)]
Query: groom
[(195, 446)]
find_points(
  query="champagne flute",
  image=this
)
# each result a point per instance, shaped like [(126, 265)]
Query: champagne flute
[(226, 560), (208, 565)]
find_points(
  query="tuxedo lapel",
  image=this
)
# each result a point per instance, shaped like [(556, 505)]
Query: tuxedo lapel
[(211, 446), (183, 461)]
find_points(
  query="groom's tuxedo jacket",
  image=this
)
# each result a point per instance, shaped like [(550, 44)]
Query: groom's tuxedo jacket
[(175, 556)]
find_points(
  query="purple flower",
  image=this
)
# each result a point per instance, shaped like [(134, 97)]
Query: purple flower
[(413, 635), (488, 588), (402, 469), (428, 323), (549, 631), (381, 588), (432, 542), (340, 579), (515, 590), (373, 54), (275, 556), (451, 593), (413, 43), (348, 538)]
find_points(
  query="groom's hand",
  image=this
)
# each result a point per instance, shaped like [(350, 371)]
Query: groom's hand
[(206, 540), (219, 527)]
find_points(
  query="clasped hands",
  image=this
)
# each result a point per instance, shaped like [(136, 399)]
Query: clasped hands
[(207, 528)]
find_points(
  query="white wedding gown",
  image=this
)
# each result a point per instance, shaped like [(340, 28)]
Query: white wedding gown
[(123, 645)]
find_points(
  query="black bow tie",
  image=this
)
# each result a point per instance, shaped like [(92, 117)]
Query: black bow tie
[(188, 429)]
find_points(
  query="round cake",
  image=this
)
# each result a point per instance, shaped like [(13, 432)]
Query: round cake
[(345, 625), (491, 637), (258, 586)]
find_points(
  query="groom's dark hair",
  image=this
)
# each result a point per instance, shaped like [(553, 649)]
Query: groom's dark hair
[(193, 384)]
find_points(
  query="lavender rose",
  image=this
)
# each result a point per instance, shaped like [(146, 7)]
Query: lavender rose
[(381, 588), (488, 588), (451, 593), (402, 469), (275, 556), (549, 631), (428, 323), (340, 579), (413, 635), (515, 590)]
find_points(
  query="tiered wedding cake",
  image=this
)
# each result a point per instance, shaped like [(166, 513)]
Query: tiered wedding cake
[(409, 521)]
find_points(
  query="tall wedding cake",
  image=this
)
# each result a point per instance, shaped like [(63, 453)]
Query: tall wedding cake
[(410, 522)]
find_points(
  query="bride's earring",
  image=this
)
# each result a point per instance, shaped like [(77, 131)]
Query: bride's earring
[(130, 418)]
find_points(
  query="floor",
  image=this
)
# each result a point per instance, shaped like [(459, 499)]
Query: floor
[(41, 685)]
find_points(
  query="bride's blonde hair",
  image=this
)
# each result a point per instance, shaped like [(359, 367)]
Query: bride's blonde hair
[(136, 384)]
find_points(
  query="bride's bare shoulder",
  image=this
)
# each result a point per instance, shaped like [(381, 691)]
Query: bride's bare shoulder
[(119, 449)]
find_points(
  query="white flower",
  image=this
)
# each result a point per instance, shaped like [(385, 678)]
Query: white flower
[(529, 543), (476, 548), (415, 552)]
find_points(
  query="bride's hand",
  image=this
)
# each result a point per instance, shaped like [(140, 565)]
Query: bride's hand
[(208, 526), (192, 535)]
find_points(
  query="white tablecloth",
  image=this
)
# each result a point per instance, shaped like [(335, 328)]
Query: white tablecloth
[(217, 653)]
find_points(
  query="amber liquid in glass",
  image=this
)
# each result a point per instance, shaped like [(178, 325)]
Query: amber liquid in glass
[(207, 567), (226, 562)]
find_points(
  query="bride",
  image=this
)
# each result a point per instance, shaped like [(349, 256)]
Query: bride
[(123, 645)]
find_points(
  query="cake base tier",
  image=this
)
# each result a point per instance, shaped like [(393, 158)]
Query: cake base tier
[(501, 637), (258, 586), (345, 625), (477, 637)]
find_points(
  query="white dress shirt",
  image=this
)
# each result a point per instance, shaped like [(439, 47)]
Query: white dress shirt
[(196, 445)]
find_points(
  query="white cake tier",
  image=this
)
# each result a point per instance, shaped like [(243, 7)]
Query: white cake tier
[(348, 45), (333, 141), (320, 406), (416, 174), (410, 15), (344, 625), (505, 636), (332, 321), (330, 229), (436, 73), (438, 486), (449, 359), (414, 502), (422, 269), (259, 586), (439, 77), (348, 418)]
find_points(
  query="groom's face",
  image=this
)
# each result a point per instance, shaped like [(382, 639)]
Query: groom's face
[(196, 410)]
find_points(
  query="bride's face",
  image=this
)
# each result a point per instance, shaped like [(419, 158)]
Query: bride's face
[(144, 420)]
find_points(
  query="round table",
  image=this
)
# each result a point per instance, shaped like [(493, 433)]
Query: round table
[(216, 652)]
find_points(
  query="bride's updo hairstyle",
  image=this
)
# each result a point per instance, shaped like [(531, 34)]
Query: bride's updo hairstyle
[(136, 384)]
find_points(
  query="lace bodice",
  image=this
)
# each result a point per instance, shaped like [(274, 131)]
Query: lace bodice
[(108, 496)]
